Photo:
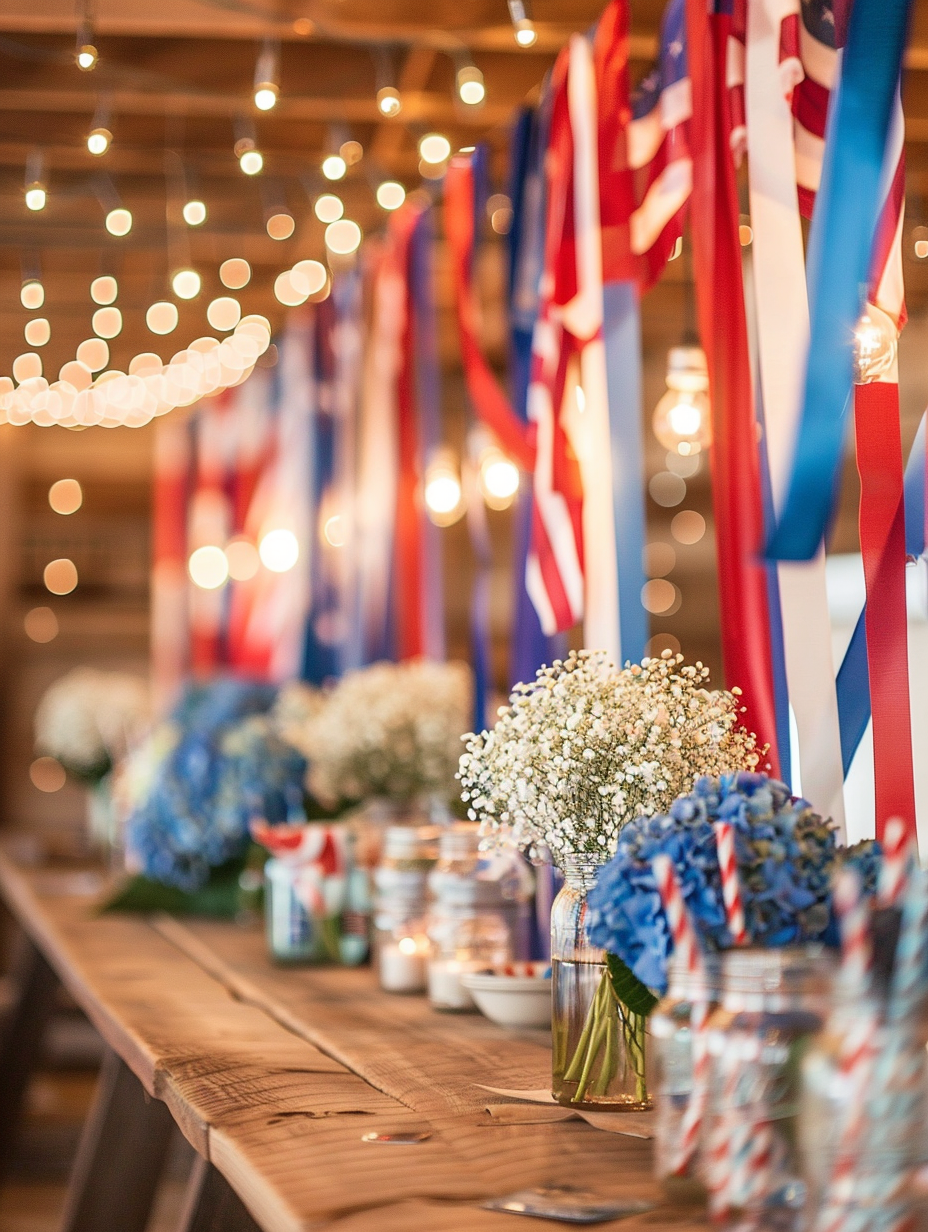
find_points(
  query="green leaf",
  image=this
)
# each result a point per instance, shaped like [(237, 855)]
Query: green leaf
[(628, 988), (219, 898)]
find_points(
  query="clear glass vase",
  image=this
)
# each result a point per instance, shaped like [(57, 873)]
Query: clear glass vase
[(599, 1044)]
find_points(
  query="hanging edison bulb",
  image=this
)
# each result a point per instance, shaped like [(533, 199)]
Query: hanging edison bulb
[(875, 341), (681, 419), (444, 497)]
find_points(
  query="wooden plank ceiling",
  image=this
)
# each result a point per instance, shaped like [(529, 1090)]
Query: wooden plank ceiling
[(178, 76)]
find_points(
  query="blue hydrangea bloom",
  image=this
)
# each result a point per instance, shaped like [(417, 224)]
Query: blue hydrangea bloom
[(786, 857), (226, 768)]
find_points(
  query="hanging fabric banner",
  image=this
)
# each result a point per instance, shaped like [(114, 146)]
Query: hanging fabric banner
[(746, 640), (782, 316), (169, 610), (848, 204)]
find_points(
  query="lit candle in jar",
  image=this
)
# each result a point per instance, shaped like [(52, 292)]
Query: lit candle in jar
[(402, 965), (446, 991)]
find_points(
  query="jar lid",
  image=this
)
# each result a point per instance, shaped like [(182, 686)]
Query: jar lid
[(410, 842), (459, 841), (779, 973)]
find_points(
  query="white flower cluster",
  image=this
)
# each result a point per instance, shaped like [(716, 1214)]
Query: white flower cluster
[(296, 707), (88, 719), (584, 748), (391, 730)]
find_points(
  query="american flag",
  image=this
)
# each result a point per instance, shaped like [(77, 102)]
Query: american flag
[(811, 33)]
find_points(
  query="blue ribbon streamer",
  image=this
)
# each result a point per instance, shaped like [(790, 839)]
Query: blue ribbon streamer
[(622, 337), (853, 685), (846, 211)]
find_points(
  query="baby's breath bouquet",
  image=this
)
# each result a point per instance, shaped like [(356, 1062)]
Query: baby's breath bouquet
[(392, 730), (580, 752)]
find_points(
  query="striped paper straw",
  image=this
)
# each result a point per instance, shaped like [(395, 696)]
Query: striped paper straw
[(854, 920), (731, 888), (898, 853), (686, 946), (909, 969)]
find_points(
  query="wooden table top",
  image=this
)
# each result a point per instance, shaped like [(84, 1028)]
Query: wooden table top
[(274, 1074)]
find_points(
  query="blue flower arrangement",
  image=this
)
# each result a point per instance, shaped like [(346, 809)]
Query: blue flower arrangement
[(227, 766), (786, 857)]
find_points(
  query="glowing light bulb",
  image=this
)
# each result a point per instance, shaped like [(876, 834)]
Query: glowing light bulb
[(681, 420), (390, 195), (389, 102), (194, 213), (328, 208), (32, 295), (60, 576), (208, 567), (875, 342), (334, 167), (266, 95), (26, 366), (443, 494), (280, 226), (36, 197), (186, 284), (251, 162), (94, 354), (235, 273), (499, 479), (525, 33), (86, 57), (107, 322), (471, 87), (104, 290), (243, 559), (313, 273), (351, 151), (37, 331), (224, 313), (434, 148), (342, 237), (98, 141), (119, 222), (161, 318), (290, 289), (65, 496), (279, 550)]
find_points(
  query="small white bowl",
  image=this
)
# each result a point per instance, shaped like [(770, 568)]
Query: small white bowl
[(512, 1000)]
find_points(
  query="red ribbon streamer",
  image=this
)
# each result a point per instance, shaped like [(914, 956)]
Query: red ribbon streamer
[(490, 403), (882, 544), (746, 641)]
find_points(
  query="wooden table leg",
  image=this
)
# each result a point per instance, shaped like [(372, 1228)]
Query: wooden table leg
[(22, 1033), (212, 1204), (120, 1157)]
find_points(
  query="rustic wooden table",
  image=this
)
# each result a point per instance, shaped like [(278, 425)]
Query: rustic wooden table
[(274, 1075)]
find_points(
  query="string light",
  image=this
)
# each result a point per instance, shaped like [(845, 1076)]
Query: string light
[(208, 567), (104, 290), (389, 102), (280, 226), (343, 237), (224, 313), (37, 331), (194, 213), (875, 342), (312, 274), (522, 24), (243, 560), (65, 496), (161, 318), (279, 550), (471, 88), (119, 221), (390, 195), (186, 284), (920, 242), (107, 322), (444, 501), (85, 51), (498, 479), (681, 420), (250, 158), (328, 208), (41, 625), (36, 197), (98, 141), (94, 354), (434, 148), (60, 576), (32, 294), (334, 167), (235, 273), (351, 151), (26, 366), (267, 72)]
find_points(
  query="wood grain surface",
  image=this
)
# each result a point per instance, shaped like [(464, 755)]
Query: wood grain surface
[(274, 1075)]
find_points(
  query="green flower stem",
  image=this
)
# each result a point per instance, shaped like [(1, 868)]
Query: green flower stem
[(600, 1041)]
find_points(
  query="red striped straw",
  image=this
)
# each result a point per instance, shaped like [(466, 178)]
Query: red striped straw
[(854, 918), (731, 888), (898, 854), (685, 942)]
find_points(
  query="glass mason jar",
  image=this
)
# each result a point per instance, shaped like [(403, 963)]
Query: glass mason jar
[(291, 935), (465, 925), (599, 1044), (861, 1135), (681, 1074), (401, 946), (773, 1001)]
